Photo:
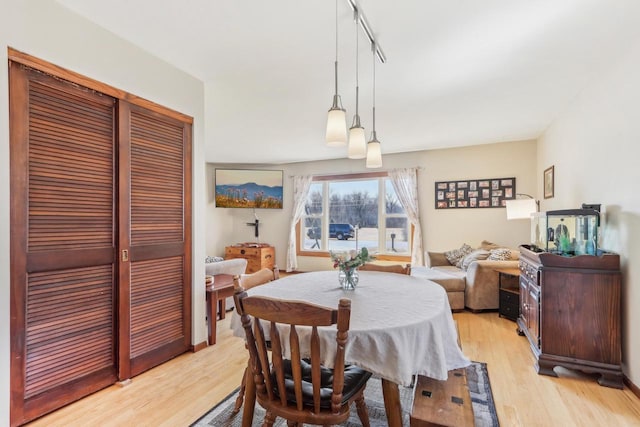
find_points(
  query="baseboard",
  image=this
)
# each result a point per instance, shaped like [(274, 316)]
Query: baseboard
[(634, 388), (197, 347), (288, 273)]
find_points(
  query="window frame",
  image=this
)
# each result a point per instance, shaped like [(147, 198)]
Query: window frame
[(355, 176)]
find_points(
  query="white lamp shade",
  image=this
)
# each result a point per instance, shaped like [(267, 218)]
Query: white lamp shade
[(357, 143), (374, 154), (521, 208), (336, 128)]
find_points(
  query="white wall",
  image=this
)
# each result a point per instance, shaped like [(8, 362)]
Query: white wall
[(46, 30), (443, 229), (594, 148)]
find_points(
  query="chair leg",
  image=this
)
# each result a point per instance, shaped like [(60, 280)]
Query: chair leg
[(361, 407), (240, 397), (269, 419), (249, 401)]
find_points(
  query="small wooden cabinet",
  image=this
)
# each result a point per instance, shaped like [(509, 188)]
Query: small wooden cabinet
[(258, 256), (570, 312), (509, 304)]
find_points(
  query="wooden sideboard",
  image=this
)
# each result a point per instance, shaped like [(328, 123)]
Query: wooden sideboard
[(570, 312), (258, 256)]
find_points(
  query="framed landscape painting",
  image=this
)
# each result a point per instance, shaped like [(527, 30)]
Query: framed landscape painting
[(248, 188)]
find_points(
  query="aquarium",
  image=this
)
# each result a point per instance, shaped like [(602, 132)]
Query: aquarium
[(567, 232)]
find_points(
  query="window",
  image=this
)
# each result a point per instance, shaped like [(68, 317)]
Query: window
[(351, 211)]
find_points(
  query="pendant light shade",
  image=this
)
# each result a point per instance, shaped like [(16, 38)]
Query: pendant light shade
[(357, 143), (357, 139), (336, 125), (336, 134), (374, 152)]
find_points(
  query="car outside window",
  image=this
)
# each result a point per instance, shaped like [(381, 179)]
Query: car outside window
[(344, 213)]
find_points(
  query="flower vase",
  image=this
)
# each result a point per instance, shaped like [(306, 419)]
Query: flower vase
[(348, 278)]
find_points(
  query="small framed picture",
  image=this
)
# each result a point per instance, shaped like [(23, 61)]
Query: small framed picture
[(548, 182)]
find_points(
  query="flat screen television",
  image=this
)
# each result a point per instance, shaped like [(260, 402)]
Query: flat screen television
[(248, 188)]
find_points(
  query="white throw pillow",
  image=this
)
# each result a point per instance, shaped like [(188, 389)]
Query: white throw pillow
[(476, 255)]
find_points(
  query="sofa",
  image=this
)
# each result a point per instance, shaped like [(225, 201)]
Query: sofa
[(473, 284), (217, 265)]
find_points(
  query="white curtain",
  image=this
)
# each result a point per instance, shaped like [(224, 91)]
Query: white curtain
[(301, 185), (405, 183)]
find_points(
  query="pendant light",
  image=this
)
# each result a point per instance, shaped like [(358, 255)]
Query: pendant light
[(336, 135), (357, 141), (374, 154)]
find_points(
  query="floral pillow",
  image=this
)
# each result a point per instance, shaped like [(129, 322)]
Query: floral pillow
[(502, 254), (210, 259), (456, 255)]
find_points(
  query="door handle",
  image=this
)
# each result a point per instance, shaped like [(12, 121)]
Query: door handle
[(125, 255)]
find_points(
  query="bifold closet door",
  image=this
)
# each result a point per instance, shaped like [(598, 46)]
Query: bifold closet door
[(63, 263), (100, 240), (155, 158)]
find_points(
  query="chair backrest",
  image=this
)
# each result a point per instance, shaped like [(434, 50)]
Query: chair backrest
[(263, 312), (260, 277), (396, 268)]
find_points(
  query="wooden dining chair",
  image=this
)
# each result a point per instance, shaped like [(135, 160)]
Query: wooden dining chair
[(300, 390), (248, 281), (260, 277), (395, 268)]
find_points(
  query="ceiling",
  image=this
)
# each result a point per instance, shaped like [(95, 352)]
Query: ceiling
[(458, 72)]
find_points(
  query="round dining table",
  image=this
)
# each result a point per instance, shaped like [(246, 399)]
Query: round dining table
[(400, 326)]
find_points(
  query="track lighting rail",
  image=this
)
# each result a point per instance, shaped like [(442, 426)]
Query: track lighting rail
[(366, 29)]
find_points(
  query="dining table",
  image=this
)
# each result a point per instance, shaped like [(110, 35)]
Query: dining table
[(400, 326)]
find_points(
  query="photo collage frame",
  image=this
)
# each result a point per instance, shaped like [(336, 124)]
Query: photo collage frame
[(475, 193)]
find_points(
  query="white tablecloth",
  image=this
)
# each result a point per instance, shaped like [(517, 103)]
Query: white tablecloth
[(400, 325)]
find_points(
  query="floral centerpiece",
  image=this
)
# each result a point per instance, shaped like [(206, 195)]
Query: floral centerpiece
[(348, 263)]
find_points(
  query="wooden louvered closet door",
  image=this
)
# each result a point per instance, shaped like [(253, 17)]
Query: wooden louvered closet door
[(100, 240), (62, 246), (159, 239)]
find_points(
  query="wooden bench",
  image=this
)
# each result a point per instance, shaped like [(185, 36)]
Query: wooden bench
[(442, 403)]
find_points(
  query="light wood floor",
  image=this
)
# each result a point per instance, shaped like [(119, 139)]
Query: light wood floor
[(180, 391)]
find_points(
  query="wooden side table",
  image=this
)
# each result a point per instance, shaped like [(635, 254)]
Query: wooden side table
[(509, 305), (217, 293)]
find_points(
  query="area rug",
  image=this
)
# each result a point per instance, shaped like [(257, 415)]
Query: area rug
[(484, 410)]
